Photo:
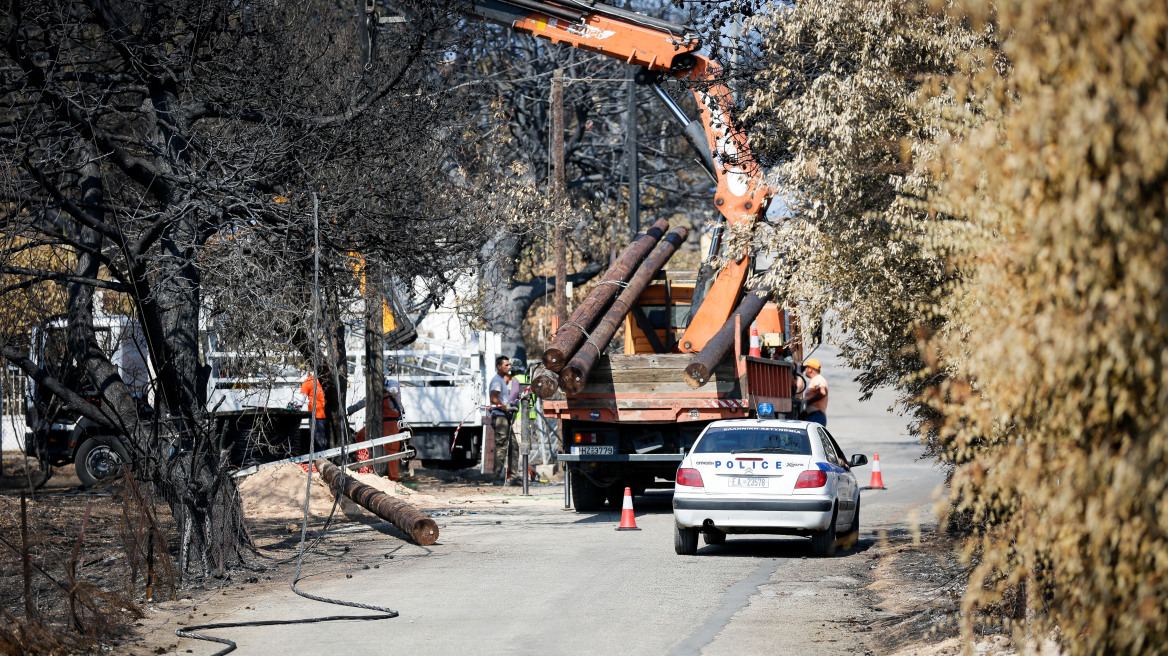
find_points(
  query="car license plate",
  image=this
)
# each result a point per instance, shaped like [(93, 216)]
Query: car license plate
[(594, 450), (748, 482)]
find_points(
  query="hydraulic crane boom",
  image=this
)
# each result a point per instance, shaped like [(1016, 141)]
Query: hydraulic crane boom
[(663, 48)]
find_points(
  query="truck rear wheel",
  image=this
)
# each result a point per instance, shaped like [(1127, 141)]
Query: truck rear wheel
[(586, 496), (99, 459), (616, 495)]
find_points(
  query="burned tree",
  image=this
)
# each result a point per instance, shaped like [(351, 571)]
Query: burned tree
[(174, 149)]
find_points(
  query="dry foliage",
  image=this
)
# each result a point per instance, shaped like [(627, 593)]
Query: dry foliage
[(979, 190), (84, 579), (1063, 317), (847, 105)]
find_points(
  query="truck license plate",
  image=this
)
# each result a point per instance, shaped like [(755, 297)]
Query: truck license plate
[(594, 450), (748, 482)]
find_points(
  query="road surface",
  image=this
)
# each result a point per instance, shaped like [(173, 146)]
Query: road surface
[(527, 577)]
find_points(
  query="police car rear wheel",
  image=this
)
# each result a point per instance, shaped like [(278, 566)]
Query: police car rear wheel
[(823, 542), (685, 540)]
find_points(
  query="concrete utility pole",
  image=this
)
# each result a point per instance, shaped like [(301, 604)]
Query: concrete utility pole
[(374, 350), (561, 297), (631, 161)]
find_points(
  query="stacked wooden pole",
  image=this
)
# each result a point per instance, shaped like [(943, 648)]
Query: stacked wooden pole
[(697, 373), (574, 375), (573, 332)]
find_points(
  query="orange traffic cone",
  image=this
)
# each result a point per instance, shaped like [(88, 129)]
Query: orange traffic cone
[(628, 521), (755, 352), (877, 480)]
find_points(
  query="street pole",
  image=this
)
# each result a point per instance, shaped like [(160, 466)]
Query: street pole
[(561, 298), (631, 161)]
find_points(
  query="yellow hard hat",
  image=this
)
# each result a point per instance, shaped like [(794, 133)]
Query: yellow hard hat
[(812, 364)]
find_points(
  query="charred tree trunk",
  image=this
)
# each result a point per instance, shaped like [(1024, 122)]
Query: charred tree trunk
[(506, 301), (118, 405), (374, 350), (334, 374), (502, 314), (202, 496)]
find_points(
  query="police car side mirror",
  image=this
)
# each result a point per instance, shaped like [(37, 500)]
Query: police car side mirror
[(859, 460)]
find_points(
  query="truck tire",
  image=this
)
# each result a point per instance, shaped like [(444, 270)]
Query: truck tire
[(586, 496), (823, 542), (685, 540), (615, 494), (715, 537), (99, 459)]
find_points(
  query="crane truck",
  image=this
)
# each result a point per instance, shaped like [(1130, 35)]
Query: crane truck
[(636, 414)]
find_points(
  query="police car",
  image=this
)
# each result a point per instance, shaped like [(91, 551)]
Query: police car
[(772, 476)]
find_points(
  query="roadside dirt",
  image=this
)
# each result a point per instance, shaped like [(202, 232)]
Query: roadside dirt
[(913, 588), (115, 612)]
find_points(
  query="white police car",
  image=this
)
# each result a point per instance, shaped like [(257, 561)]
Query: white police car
[(773, 476)]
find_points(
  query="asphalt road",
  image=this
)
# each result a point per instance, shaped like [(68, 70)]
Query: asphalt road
[(528, 577)]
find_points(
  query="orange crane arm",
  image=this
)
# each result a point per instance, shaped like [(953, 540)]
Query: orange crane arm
[(663, 48)]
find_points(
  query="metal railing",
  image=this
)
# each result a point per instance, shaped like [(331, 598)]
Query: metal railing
[(13, 388)]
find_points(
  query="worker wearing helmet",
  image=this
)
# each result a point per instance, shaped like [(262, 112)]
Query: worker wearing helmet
[(815, 395)]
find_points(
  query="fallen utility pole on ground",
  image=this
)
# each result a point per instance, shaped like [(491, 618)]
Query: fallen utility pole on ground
[(576, 373), (421, 529)]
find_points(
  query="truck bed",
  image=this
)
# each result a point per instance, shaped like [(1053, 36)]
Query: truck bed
[(652, 388)]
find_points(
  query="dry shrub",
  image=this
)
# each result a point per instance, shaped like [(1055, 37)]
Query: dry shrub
[(32, 639), (1063, 322), (980, 190)]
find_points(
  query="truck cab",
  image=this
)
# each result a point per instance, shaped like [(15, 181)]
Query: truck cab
[(57, 435)]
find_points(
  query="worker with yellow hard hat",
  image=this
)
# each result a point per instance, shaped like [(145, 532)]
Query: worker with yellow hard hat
[(815, 396)]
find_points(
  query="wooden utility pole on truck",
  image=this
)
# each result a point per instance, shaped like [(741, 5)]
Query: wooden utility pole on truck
[(661, 50)]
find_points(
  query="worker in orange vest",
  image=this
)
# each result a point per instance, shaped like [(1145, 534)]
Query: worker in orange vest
[(315, 409)]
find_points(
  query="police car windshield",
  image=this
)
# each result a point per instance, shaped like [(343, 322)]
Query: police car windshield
[(756, 439)]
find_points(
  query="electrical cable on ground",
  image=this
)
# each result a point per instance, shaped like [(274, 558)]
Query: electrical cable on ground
[(382, 612)]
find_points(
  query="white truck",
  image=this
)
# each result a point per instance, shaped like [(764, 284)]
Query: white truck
[(443, 389), (442, 386)]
